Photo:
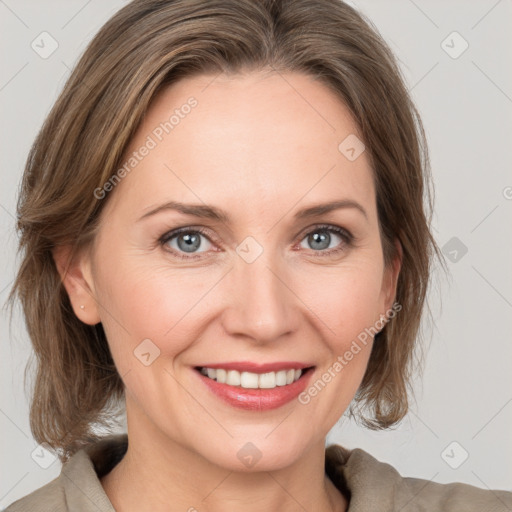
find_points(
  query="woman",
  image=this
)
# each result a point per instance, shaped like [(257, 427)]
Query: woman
[(223, 226)]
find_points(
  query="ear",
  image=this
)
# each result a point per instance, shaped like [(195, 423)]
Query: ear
[(390, 279), (75, 273)]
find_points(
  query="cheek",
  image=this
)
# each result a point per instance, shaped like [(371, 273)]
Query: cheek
[(346, 299), (147, 302), (348, 305)]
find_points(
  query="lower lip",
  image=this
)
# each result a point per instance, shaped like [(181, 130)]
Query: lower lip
[(257, 399)]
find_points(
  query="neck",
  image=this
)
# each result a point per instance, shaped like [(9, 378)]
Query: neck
[(160, 474)]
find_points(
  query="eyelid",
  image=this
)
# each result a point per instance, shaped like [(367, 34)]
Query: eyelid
[(172, 233), (328, 227), (185, 229)]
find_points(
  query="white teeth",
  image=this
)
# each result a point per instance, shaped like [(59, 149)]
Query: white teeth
[(233, 378), (220, 375), (248, 380), (251, 380), (267, 380), (281, 378)]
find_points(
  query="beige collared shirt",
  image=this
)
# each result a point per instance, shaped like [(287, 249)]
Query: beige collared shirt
[(368, 484)]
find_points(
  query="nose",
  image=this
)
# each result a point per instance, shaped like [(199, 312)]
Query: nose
[(260, 304)]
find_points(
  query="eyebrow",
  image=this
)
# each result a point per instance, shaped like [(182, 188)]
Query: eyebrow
[(211, 212)]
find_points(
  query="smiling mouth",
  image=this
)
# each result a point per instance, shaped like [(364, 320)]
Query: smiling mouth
[(251, 380)]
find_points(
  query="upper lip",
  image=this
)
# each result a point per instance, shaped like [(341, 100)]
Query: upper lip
[(247, 366)]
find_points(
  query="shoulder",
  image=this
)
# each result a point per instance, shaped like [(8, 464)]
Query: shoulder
[(375, 485), (78, 487), (48, 498)]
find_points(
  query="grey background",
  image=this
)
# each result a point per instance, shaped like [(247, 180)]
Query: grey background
[(465, 395)]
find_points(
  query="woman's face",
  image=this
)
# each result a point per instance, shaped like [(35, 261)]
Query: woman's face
[(264, 282)]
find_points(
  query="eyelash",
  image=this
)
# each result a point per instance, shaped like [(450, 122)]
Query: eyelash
[(348, 239)]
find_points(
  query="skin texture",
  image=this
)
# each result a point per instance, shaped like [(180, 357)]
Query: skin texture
[(261, 147)]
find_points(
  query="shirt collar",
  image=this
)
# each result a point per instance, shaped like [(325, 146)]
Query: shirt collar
[(80, 475)]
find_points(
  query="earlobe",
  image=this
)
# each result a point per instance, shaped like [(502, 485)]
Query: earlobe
[(75, 275)]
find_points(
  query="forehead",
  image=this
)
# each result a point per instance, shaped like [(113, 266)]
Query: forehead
[(261, 137)]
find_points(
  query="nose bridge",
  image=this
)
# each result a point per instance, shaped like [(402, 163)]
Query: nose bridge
[(260, 303)]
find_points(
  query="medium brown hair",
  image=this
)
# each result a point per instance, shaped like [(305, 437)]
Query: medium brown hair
[(144, 47)]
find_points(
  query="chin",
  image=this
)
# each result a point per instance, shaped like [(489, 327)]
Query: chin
[(252, 455)]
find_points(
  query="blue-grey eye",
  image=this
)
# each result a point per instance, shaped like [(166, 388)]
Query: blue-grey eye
[(188, 241), (321, 238)]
